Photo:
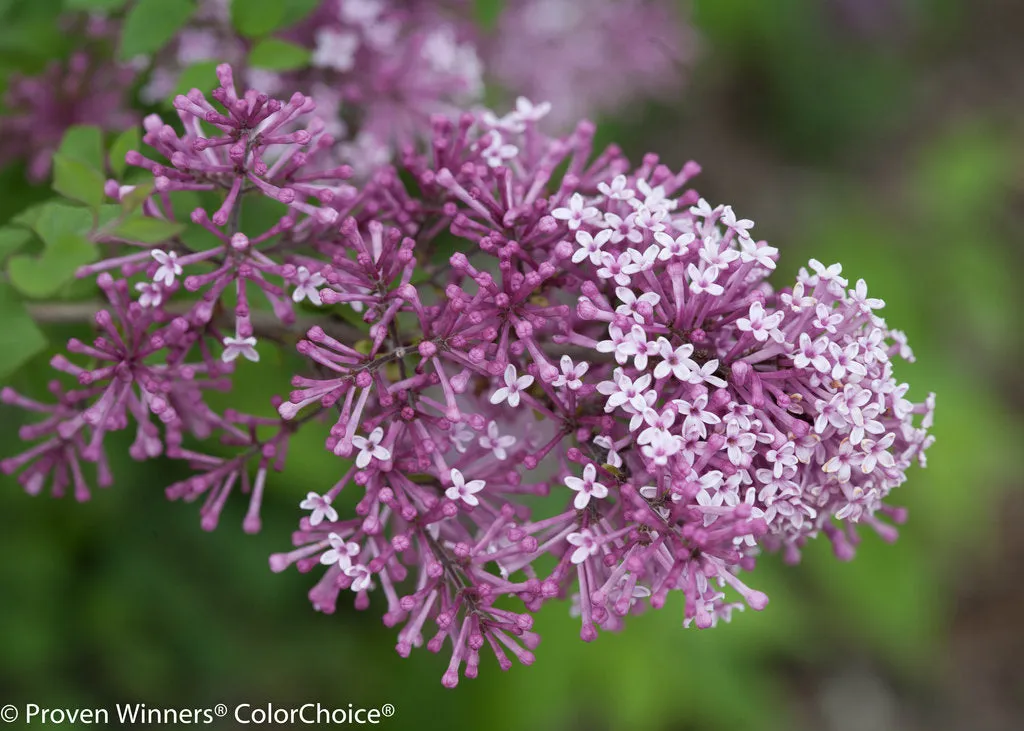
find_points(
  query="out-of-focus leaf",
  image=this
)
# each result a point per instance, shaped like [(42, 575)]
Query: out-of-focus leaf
[(278, 55), (135, 198), (63, 230), (18, 197), (83, 143), (150, 24), (126, 142), (296, 10), (147, 230), (20, 339), (12, 239), (202, 76), (107, 213), (986, 312), (254, 18), (965, 175), (76, 180), (487, 12), (29, 45), (962, 455), (54, 219), (44, 276), (31, 216)]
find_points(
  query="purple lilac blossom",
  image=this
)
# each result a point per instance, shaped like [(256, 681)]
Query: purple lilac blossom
[(602, 338)]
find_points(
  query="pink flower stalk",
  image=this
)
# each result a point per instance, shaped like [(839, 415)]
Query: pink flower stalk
[(598, 395)]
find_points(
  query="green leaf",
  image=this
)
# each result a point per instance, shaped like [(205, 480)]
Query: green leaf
[(64, 231), (75, 180), (126, 142), (147, 230), (44, 276), (150, 24), (296, 10), (254, 18), (12, 239), (54, 219), (28, 44), (30, 217), (107, 214), (278, 55), (104, 5), (136, 197), (202, 76), (85, 144), (487, 12), (20, 339), (17, 196)]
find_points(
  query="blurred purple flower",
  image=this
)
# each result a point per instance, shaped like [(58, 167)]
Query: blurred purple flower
[(84, 90), (590, 58)]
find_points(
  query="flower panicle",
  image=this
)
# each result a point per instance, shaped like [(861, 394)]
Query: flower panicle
[(545, 374)]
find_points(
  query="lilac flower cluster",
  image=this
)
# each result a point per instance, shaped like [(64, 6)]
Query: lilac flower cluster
[(573, 381)]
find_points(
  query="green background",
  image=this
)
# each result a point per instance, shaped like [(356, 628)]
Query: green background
[(894, 146)]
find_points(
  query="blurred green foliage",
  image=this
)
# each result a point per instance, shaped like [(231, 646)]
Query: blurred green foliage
[(125, 599)]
